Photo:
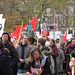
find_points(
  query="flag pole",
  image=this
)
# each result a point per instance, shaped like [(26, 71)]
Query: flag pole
[(19, 36)]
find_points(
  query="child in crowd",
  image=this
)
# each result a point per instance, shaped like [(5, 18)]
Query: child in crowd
[(37, 66)]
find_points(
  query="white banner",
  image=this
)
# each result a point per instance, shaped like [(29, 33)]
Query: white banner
[(1, 15), (43, 27), (2, 22)]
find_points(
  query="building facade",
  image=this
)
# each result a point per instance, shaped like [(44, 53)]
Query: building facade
[(61, 20)]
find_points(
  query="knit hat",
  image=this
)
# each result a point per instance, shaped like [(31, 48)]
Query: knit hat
[(5, 32)]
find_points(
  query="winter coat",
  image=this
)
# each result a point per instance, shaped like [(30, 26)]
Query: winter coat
[(45, 68), (46, 50), (5, 65), (55, 52), (59, 61), (13, 55), (67, 54), (27, 49)]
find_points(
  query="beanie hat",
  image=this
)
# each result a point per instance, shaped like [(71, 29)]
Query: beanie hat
[(5, 32)]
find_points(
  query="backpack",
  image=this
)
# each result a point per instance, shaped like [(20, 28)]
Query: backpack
[(52, 63)]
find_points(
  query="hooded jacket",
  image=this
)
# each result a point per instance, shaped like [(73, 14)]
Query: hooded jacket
[(13, 54)]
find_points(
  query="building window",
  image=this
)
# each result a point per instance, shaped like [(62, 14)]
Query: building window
[(70, 21), (48, 10), (55, 11), (55, 20), (51, 19), (63, 20), (70, 10), (70, 31)]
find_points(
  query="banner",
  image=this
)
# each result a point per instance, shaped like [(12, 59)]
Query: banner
[(2, 22), (1, 15), (43, 29)]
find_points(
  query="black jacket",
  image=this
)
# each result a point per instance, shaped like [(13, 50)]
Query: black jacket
[(14, 57), (5, 67), (45, 68)]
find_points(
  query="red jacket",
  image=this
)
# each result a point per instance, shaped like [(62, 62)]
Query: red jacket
[(55, 51)]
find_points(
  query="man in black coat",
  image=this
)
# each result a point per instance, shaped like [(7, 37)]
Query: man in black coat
[(13, 53)]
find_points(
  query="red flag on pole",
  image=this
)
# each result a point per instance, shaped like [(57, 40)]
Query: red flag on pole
[(33, 23), (25, 27), (19, 37), (65, 36), (15, 34)]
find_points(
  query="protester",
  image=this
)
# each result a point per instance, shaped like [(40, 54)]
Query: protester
[(47, 42), (31, 40), (72, 64), (73, 42), (54, 51), (61, 42), (5, 60), (36, 62), (23, 50), (35, 42), (60, 60), (57, 41), (67, 54), (64, 46), (46, 50), (13, 53)]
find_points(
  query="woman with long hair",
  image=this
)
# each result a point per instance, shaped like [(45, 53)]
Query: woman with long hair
[(5, 59), (39, 64)]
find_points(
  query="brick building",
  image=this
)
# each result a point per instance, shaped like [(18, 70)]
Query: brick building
[(62, 20)]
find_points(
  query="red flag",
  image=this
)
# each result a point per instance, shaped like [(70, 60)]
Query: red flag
[(25, 27), (19, 37), (33, 23), (65, 36), (44, 32), (15, 34)]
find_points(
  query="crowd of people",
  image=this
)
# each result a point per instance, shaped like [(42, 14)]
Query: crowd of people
[(32, 56)]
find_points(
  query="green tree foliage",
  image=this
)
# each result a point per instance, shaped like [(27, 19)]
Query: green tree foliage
[(16, 11)]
